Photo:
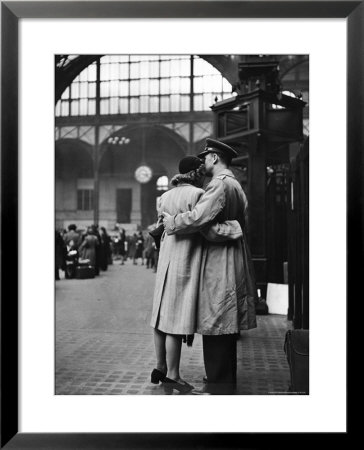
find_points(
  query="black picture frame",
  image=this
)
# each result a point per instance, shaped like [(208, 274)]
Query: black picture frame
[(11, 12)]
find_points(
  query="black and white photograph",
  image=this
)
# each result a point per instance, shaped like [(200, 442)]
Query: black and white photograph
[(181, 198), (181, 224)]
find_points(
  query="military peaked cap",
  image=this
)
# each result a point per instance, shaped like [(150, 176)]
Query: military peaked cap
[(212, 146)]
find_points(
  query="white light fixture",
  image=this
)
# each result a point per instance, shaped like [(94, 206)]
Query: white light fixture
[(118, 140)]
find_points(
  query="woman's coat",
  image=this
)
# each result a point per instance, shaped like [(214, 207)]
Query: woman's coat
[(87, 249), (176, 288)]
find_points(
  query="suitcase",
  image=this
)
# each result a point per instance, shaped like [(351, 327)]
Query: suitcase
[(261, 307), (296, 346), (84, 272)]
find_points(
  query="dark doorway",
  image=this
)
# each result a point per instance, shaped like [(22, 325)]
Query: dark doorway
[(123, 205)]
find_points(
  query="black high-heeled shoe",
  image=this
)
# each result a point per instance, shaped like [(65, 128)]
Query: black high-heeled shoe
[(182, 387), (156, 376)]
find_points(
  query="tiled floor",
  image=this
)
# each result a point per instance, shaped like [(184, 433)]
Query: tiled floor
[(104, 344)]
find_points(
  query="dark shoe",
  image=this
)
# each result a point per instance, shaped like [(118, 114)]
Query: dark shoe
[(157, 376), (215, 389), (179, 386)]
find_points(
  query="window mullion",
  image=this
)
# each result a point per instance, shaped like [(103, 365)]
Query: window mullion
[(192, 85), (129, 99), (98, 100), (159, 84)]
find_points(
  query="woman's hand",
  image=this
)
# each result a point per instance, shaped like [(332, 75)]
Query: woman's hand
[(165, 216)]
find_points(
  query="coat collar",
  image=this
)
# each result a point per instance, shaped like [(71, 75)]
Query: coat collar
[(226, 172)]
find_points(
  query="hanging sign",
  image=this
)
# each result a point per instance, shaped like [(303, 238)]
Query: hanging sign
[(143, 174)]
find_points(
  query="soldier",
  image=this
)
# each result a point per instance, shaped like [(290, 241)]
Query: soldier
[(227, 291)]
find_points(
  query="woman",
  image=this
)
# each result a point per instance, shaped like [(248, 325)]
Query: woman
[(122, 245), (149, 251), (104, 249), (60, 254), (176, 289), (139, 247), (88, 247), (132, 242)]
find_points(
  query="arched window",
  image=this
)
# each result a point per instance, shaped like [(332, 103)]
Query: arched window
[(162, 183), (130, 84)]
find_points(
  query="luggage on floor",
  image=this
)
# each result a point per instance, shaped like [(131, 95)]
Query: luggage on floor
[(84, 272), (261, 306), (296, 347)]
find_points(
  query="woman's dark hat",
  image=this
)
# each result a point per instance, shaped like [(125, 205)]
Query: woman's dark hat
[(189, 163), (213, 146)]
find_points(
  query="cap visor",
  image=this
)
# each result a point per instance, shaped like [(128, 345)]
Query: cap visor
[(202, 154)]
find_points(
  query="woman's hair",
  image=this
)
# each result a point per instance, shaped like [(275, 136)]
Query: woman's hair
[(192, 177)]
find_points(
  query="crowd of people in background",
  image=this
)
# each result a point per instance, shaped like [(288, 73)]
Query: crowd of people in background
[(100, 249)]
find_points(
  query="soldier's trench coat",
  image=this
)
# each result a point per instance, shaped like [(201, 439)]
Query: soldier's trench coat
[(227, 288), (178, 273)]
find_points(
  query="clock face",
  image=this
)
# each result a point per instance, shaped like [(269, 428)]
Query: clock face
[(143, 174)]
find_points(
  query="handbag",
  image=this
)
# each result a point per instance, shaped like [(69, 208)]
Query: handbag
[(157, 235)]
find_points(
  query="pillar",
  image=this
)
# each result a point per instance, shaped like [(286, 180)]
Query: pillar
[(257, 179)]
